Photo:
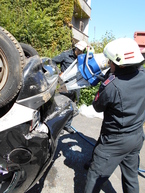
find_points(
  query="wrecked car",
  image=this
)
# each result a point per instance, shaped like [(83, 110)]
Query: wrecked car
[(32, 115)]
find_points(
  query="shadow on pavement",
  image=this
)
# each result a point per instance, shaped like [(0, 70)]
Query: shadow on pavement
[(77, 151)]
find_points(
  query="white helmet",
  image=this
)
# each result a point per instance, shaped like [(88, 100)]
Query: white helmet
[(123, 51), (81, 45)]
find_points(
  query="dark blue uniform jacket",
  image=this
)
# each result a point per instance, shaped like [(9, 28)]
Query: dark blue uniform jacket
[(65, 59), (122, 99)]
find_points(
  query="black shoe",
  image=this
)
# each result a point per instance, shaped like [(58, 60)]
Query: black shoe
[(69, 130), (87, 164)]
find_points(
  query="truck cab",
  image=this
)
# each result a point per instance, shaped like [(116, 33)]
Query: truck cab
[(139, 37)]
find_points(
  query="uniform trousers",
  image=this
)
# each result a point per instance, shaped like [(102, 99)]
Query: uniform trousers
[(113, 150)]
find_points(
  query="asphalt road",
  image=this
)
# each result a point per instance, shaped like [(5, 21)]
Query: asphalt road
[(67, 174)]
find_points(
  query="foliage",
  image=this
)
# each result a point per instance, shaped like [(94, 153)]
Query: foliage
[(41, 23), (105, 39), (88, 94)]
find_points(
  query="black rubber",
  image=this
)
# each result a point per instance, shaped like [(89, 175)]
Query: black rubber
[(13, 59), (28, 50)]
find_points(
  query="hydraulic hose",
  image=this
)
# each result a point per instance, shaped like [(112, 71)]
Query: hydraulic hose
[(140, 170), (82, 136)]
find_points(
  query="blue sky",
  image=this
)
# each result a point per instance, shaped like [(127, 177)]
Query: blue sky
[(120, 17)]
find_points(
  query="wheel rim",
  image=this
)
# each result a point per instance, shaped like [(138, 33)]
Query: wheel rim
[(4, 71)]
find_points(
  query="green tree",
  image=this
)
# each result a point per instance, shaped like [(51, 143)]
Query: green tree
[(99, 45), (41, 23)]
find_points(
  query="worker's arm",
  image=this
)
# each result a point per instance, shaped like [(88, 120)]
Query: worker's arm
[(100, 101), (105, 97), (58, 59)]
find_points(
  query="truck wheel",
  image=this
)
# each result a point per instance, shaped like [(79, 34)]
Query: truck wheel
[(12, 60), (28, 50)]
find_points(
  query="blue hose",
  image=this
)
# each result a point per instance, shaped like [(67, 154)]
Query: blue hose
[(140, 170), (82, 136)]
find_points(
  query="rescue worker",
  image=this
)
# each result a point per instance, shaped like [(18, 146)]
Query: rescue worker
[(121, 97), (65, 59)]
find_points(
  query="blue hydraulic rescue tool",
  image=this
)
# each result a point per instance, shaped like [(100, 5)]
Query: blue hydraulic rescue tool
[(87, 70)]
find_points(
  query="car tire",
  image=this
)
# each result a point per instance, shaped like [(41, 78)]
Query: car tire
[(28, 50), (12, 61)]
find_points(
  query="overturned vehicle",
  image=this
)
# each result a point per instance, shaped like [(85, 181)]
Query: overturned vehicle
[(32, 115)]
